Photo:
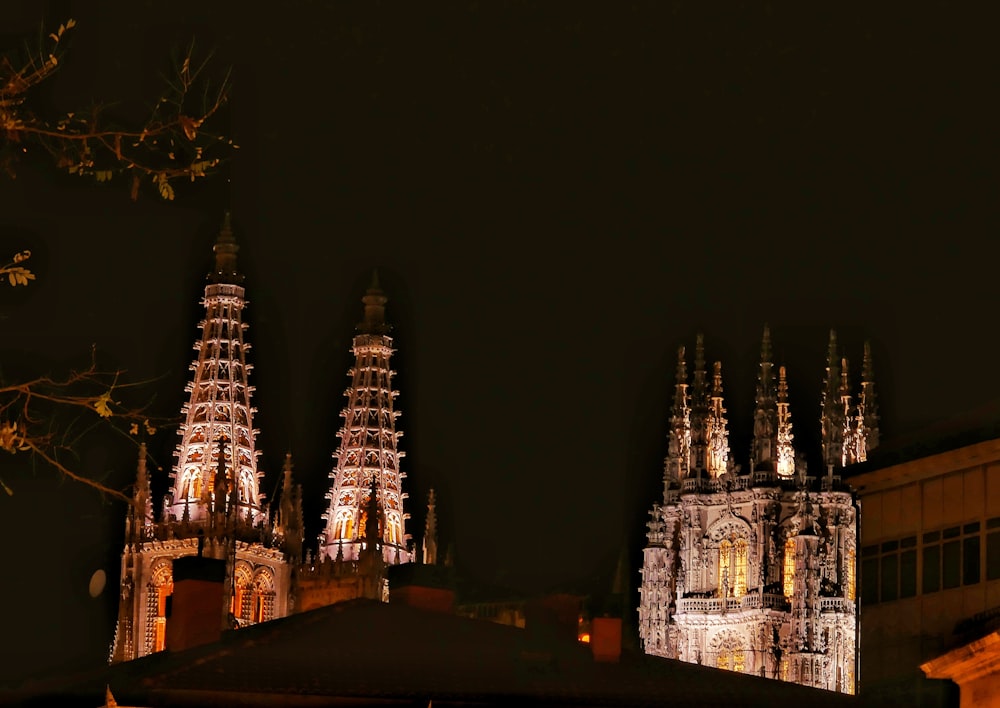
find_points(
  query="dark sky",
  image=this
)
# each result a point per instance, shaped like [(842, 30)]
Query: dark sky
[(557, 195)]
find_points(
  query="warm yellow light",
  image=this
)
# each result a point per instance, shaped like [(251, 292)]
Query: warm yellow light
[(789, 571), (849, 564), (585, 638)]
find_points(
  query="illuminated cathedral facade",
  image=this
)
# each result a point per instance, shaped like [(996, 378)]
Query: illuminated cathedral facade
[(753, 569), (215, 508)]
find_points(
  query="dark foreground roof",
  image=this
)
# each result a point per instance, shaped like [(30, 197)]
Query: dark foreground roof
[(369, 653)]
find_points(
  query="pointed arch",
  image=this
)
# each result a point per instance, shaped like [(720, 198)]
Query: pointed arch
[(262, 608), (160, 587), (242, 580)]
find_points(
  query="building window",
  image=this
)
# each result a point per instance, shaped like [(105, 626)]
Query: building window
[(993, 548), (733, 566), (725, 558), (850, 570), (952, 557), (161, 586), (740, 562), (889, 570), (731, 659), (788, 576)]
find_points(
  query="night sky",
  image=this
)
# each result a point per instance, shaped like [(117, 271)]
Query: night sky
[(556, 195)]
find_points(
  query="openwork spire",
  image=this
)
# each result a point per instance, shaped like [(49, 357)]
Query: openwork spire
[(368, 453), (218, 408), (142, 496)]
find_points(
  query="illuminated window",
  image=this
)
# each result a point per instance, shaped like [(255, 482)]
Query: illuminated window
[(731, 659), (850, 562), (160, 588), (789, 571), (196, 487), (242, 578), (262, 604), (784, 669), (725, 560), (740, 582)]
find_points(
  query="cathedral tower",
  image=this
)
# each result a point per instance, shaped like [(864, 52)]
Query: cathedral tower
[(366, 496), (753, 570), (215, 508)]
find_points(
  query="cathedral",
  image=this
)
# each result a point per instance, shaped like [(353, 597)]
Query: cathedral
[(215, 508), (753, 569)]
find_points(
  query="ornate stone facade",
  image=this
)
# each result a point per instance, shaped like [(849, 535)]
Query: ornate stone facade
[(367, 474), (215, 507), (755, 571)]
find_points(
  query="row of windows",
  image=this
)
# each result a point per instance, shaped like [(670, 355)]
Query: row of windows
[(936, 560)]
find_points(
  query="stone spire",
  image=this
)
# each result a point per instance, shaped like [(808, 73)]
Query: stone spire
[(430, 532), (368, 447), (678, 459), (785, 454), (699, 410), (374, 300), (226, 249), (764, 450), (867, 404), (717, 428), (832, 415), (142, 497), (219, 405), (290, 523)]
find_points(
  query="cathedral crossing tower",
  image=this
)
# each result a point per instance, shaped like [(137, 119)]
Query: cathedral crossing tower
[(753, 568)]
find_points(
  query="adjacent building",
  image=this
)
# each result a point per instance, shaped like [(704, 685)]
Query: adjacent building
[(930, 570)]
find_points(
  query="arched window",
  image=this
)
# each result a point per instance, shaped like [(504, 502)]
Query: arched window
[(739, 582), (730, 654), (161, 586), (788, 576), (262, 608), (242, 577), (344, 525), (850, 564), (733, 566), (725, 562)]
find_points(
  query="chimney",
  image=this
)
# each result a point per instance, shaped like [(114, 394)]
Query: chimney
[(427, 587), (606, 639), (193, 615)]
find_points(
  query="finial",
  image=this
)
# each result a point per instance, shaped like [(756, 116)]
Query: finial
[(225, 250), (717, 380), (867, 370), (782, 385), (374, 301), (765, 345)]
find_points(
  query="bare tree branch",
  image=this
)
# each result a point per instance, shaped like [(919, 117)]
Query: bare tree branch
[(172, 143)]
